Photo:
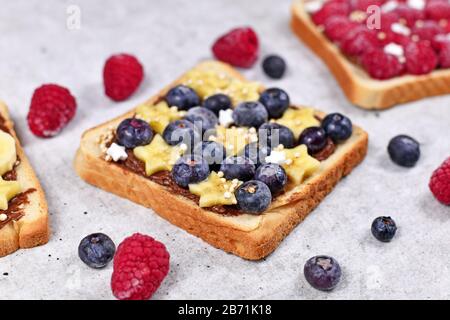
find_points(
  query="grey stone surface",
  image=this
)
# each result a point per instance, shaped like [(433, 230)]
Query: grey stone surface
[(169, 37)]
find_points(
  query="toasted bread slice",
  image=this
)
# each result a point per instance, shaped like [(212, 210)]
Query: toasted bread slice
[(32, 229), (358, 86), (249, 236)]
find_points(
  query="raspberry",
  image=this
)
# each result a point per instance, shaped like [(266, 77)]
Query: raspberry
[(440, 183), (420, 57), (140, 265), (239, 47), (122, 75), (381, 65), (427, 30), (439, 41), (408, 14), (437, 10), (338, 27), (51, 108), (362, 5), (387, 19), (444, 55), (329, 9), (357, 43)]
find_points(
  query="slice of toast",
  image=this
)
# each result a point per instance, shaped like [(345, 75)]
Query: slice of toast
[(358, 86), (249, 236), (32, 229)]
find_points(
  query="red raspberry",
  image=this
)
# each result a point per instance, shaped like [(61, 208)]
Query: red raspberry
[(381, 65), (51, 108), (387, 20), (437, 10), (140, 265), (338, 27), (357, 43), (444, 55), (410, 15), (362, 5), (329, 9), (420, 57), (122, 75), (440, 183), (439, 41), (427, 30), (239, 47)]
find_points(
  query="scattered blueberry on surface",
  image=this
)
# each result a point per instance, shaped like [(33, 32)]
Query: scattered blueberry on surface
[(217, 102), (257, 153), (384, 228), (203, 118), (212, 152), (404, 150), (273, 175), (253, 197), (276, 102), (182, 97), (337, 126), (274, 134), (134, 132), (190, 169), (314, 138), (181, 131), (322, 272), (250, 114), (96, 250), (237, 167), (274, 66)]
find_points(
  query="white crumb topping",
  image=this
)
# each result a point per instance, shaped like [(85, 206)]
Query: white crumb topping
[(117, 152), (278, 157), (389, 6), (226, 117), (400, 29), (313, 6), (416, 4)]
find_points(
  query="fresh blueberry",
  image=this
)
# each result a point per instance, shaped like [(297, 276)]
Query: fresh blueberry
[(273, 175), (182, 97), (181, 131), (276, 102), (190, 169), (322, 272), (203, 118), (274, 66), (384, 228), (337, 127), (253, 197), (314, 138), (238, 167), (276, 134), (217, 102), (257, 153), (213, 152), (133, 132), (250, 114), (96, 250), (404, 151)]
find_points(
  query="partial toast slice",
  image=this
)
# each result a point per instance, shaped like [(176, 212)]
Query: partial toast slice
[(249, 236), (32, 229), (357, 85)]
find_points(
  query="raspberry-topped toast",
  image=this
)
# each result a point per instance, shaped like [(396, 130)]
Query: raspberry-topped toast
[(23, 208), (223, 158), (382, 52)]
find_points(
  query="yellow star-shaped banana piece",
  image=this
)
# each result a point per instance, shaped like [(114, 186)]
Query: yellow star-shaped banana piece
[(299, 165), (298, 119), (158, 155), (235, 139), (215, 190), (158, 115), (8, 190)]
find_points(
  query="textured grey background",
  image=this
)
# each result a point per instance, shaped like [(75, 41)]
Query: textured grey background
[(169, 37)]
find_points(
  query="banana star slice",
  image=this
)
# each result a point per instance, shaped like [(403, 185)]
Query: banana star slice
[(8, 157), (298, 120), (299, 165), (8, 190), (215, 191), (158, 115)]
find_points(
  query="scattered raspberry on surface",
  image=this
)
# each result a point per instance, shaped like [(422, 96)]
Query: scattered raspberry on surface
[(338, 27), (357, 43), (51, 109), (239, 47), (329, 9), (440, 183), (140, 265), (381, 65), (420, 57), (122, 75)]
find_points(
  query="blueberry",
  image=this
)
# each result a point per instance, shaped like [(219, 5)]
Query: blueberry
[(276, 102), (275, 134), (337, 127), (273, 175), (134, 132), (322, 272), (274, 66), (257, 153), (404, 151), (314, 138), (250, 114), (213, 152), (181, 131), (182, 97), (96, 250), (217, 102), (238, 168), (203, 118), (190, 169), (253, 197), (384, 228)]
